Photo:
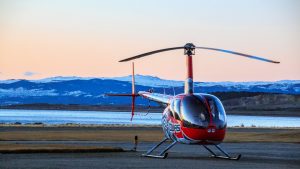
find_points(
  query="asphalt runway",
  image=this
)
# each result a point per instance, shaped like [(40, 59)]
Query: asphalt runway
[(254, 155)]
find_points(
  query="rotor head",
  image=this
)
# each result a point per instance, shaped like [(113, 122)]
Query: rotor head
[(189, 49)]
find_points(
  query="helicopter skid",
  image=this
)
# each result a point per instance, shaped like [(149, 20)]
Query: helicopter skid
[(162, 154), (227, 156), (156, 156)]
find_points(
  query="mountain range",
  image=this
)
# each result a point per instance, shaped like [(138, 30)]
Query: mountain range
[(91, 91)]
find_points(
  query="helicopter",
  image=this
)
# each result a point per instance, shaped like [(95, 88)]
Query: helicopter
[(189, 118)]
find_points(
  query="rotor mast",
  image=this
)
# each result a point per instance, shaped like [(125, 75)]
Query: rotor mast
[(189, 50)]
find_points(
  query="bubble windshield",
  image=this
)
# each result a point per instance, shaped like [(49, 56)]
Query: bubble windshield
[(194, 113), (198, 110)]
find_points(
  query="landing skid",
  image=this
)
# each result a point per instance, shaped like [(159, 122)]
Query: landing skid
[(155, 156), (227, 156), (162, 154)]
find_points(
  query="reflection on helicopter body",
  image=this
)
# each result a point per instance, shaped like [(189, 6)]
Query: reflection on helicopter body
[(203, 114)]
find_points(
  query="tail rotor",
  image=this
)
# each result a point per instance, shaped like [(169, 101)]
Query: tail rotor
[(133, 94)]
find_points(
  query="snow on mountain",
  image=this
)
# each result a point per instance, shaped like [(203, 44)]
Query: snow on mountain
[(22, 92), (9, 81), (59, 79), (90, 90), (154, 81), (142, 80), (145, 80), (68, 88), (250, 83), (47, 80)]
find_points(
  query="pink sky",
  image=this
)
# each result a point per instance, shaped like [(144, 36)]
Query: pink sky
[(87, 38)]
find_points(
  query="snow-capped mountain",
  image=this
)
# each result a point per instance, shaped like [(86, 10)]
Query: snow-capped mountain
[(153, 81), (78, 90)]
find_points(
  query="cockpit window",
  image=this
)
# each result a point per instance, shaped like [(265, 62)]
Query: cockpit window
[(217, 111), (170, 112), (175, 109), (172, 106), (194, 113)]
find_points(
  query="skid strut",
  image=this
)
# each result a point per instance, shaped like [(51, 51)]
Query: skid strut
[(163, 154), (227, 156)]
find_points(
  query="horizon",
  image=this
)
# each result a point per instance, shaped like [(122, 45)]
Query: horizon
[(87, 78)]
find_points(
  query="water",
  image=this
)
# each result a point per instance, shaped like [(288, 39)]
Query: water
[(123, 118)]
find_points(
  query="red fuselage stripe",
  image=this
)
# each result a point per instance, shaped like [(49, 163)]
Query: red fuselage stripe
[(189, 67)]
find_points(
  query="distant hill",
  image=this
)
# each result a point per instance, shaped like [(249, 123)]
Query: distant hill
[(90, 91)]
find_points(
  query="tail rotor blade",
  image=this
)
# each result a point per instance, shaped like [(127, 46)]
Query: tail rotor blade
[(132, 107), (238, 53), (133, 92), (133, 80)]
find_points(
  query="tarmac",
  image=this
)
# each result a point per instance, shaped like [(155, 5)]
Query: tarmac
[(254, 155)]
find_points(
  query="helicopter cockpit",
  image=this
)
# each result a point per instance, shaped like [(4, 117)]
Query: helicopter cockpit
[(193, 111)]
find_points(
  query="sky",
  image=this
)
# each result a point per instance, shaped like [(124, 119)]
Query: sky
[(86, 38)]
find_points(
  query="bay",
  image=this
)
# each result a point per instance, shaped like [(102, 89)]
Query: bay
[(50, 117)]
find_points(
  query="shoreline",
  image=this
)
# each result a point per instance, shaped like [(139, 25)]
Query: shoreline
[(73, 125), (245, 112)]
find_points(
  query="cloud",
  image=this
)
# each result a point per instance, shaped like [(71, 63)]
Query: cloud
[(29, 73)]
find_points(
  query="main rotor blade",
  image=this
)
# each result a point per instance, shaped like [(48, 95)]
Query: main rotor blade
[(241, 54), (150, 53)]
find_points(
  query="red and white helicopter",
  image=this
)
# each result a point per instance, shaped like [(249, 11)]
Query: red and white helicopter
[(189, 118)]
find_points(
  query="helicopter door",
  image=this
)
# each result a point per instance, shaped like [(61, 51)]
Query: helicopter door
[(217, 111)]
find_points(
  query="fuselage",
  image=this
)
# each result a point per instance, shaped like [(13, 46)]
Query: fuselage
[(195, 119)]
